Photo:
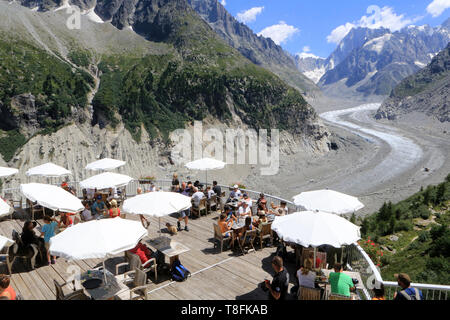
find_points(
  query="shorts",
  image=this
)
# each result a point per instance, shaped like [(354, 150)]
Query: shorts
[(47, 246), (184, 213)]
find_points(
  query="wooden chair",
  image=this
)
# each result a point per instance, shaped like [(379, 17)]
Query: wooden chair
[(247, 241), (134, 262), (10, 198), (306, 293), (35, 208), (211, 203), (197, 210), (265, 233), (137, 281), (220, 237), (75, 295), (334, 296)]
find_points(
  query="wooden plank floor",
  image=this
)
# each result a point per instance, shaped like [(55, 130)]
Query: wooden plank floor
[(215, 275)]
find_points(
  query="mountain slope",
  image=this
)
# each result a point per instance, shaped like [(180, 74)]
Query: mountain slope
[(377, 60), (185, 73), (427, 91), (261, 51)]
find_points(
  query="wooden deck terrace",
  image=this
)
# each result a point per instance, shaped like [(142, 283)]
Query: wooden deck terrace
[(224, 276)]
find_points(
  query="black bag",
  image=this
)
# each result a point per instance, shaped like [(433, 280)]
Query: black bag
[(281, 252)]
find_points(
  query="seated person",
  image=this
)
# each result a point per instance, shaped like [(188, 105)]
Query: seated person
[(341, 283), (146, 254), (244, 210), (235, 194), (262, 204), (209, 192), (114, 211), (306, 277), (311, 259), (261, 221), (139, 190), (279, 210), (90, 194), (65, 220), (247, 227), (6, 291), (225, 226), (197, 196), (112, 194), (98, 207), (29, 237), (229, 214), (247, 199), (86, 214)]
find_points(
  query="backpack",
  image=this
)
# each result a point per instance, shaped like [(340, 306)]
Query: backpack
[(416, 295), (179, 272)]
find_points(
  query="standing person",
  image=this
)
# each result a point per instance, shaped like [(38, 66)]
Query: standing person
[(47, 232), (341, 283), (279, 287), (6, 291), (217, 189), (184, 215), (407, 292), (262, 204), (175, 181)]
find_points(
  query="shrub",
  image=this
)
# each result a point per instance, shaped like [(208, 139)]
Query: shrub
[(424, 236), (403, 225)]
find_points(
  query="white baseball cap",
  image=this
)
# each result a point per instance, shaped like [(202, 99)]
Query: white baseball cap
[(235, 186)]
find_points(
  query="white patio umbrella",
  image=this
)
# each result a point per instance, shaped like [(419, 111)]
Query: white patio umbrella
[(328, 201), (105, 164), (97, 239), (48, 170), (106, 180), (51, 197), (157, 204), (5, 208), (4, 242), (7, 172), (314, 229), (206, 164)]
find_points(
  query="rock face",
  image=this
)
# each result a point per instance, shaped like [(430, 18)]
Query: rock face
[(311, 66), (371, 62), (116, 93), (427, 91), (261, 51)]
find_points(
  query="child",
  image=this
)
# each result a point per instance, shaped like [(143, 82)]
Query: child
[(47, 232)]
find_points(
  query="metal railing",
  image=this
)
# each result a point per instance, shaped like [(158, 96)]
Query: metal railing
[(357, 259)]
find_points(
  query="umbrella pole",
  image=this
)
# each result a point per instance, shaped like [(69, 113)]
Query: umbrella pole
[(159, 221), (314, 262), (342, 253), (104, 272), (206, 179)]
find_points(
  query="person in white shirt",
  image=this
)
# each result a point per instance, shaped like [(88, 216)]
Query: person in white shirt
[(87, 214), (197, 196), (210, 192), (90, 193), (244, 210), (235, 194), (248, 200)]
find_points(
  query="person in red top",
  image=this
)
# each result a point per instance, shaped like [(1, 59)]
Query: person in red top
[(146, 254), (114, 211), (65, 220), (6, 291)]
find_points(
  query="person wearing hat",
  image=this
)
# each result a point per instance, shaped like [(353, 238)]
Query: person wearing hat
[(407, 292), (235, 193), (98, 207), (114, 211)]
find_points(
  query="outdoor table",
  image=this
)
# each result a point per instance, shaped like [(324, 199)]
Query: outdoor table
[(270, 217), (106, 291), (168, 247)]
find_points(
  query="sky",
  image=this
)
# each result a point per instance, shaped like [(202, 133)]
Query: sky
[(316, 26)]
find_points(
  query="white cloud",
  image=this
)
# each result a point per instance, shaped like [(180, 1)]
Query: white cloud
[(437, 7), (377, 18), (223, 2), (279, 33), (249, 15), (340, 32), (306, 49)]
